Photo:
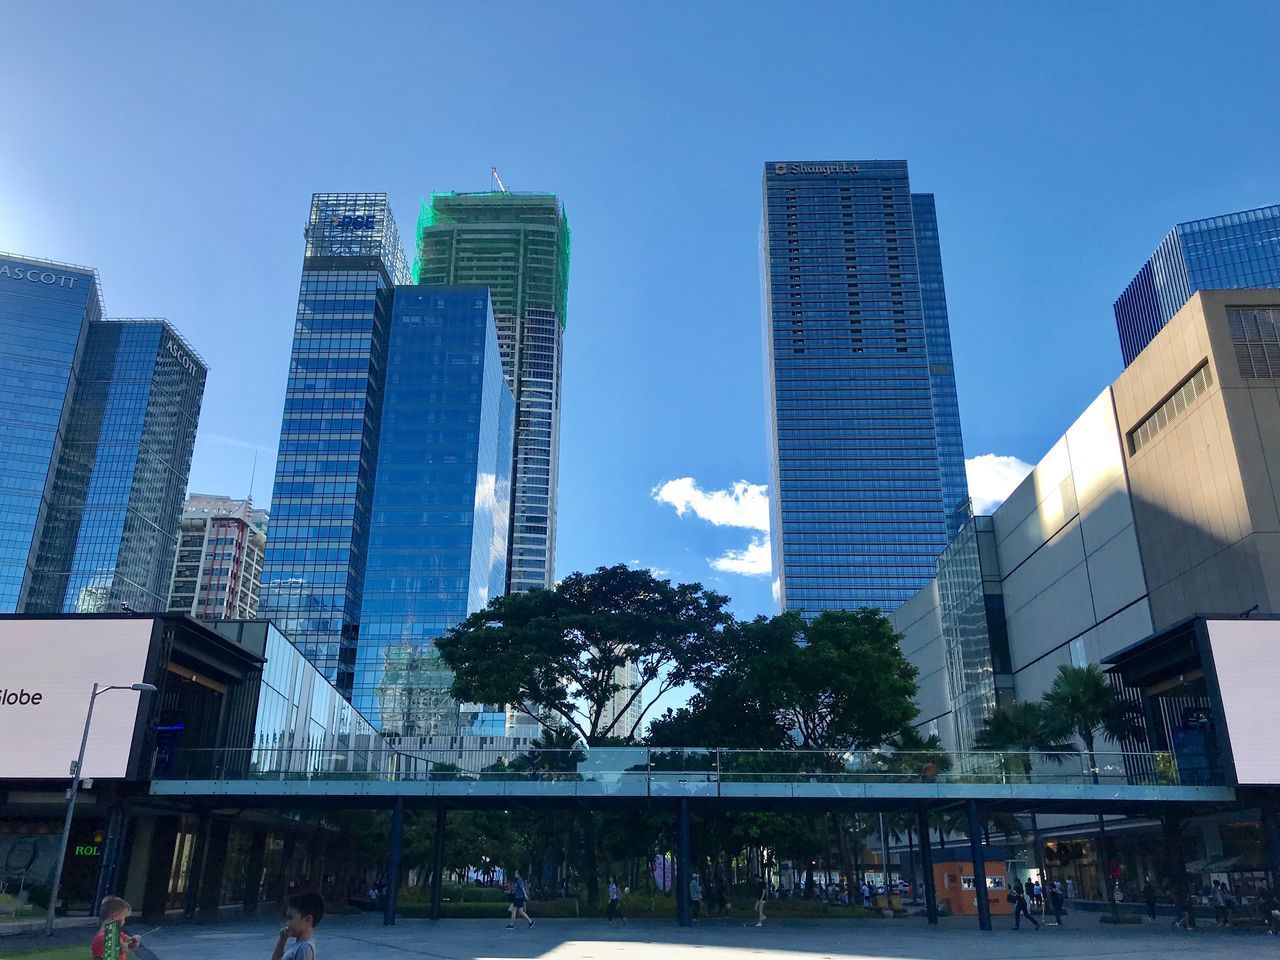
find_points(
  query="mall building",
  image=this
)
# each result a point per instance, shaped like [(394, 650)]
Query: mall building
[(1157, 506), (233, 697)]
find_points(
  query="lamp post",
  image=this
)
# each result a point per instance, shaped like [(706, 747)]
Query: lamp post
[(76, 771)]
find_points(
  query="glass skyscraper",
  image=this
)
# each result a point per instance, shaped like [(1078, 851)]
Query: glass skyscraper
[(866, 458), (313, 574), (1217, 253), (112, 528), (517, 245), (45, 312), (441, 503), (98, 421)]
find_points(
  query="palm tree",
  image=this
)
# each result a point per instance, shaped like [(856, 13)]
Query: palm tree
[(1023, 729), (1084, 704)]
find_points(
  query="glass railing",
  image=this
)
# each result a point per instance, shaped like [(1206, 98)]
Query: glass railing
[(728, 769)]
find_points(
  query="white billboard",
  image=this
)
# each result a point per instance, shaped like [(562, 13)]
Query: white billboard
[(47, 672), (1248, 668)]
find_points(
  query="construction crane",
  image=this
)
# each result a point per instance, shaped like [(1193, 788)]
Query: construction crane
[(501, 186)]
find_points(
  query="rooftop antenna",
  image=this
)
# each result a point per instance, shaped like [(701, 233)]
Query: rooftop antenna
[(253, 473), (501, 186)]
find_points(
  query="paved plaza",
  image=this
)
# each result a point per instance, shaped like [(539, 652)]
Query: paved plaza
[(364, 938)]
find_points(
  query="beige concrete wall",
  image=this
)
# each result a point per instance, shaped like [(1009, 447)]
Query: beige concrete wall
[(919, 620), (1205, 489)]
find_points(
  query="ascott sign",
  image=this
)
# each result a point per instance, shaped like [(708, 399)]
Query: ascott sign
[(47, 672)]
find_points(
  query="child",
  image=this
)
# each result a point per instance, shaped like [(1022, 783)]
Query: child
[(113, 908), (305, 912)]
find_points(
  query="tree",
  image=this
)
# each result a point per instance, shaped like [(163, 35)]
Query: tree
[(557, 654), (1084, 704), (1022, 729), (839, 682)]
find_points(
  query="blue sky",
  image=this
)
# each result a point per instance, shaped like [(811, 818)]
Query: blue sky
[(175, 149)]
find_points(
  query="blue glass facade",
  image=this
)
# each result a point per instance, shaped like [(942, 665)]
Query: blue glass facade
[(1238, 250), (120, 481), (45, 312), (441, 505), (867, 458), (313, 573)]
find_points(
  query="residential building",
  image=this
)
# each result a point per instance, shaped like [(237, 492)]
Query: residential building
[(866, 455), (1238, 250), (441, 505), (313, 574), (517, 245), (45, 312), (217, 573)]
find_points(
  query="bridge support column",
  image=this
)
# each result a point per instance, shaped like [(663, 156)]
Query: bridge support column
[(393, 865), (437, 866), (926, 863), (682, 864), (979, 865)]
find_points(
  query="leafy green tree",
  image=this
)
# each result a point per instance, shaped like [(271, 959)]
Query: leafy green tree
[(557, 654)]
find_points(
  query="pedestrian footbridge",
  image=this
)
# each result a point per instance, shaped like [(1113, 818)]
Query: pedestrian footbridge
[(620, 777)]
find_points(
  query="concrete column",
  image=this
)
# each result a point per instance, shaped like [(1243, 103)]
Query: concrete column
[(112, 852), (155, 893), (1271, 833), (979, 866), (683, 916), (393, 865), (926, 862), (215, 865), (195, 872), (437, 867)]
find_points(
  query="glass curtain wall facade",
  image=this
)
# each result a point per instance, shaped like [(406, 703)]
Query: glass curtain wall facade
[(866, 457), (313, 574), (45, 312), (518, 246), (112, 529), (1238, 250), (441, 507)]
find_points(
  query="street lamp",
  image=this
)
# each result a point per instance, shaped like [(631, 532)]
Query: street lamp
[(71, 794)]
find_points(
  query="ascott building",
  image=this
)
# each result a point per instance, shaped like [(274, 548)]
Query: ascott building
[(1155, 513), (230, 692)]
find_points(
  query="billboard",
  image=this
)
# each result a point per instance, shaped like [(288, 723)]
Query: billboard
[(1248, 674), (47, 672)]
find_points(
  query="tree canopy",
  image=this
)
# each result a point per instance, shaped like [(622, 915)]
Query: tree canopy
[(562, 655)]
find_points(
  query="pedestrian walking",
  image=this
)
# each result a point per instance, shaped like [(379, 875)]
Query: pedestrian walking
[(695, 896), (764, 895), (1221, 898), (1037, 896), (1056, 901), (519, 899), (1018, 897), (1182, 907), (614, 911), (1149, 898)]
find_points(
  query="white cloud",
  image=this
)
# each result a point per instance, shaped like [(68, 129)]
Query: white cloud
[(742, 505), (754, 561), (992, 478)]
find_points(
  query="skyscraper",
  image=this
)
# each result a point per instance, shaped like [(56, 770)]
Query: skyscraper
[(45, 312), (217, 574), (112, 526), (867, 461), (517, 245), (441, 503), (313, 575), (1218, 253)]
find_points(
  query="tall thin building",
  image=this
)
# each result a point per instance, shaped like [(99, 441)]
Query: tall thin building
[(313, 575), (517, 245), (867, 459), (112, 528), (1234, 251), (441, 504), (45, 312), (217, 573)]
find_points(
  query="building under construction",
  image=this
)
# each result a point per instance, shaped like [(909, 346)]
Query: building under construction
[(518, 246)]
